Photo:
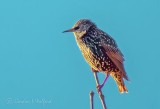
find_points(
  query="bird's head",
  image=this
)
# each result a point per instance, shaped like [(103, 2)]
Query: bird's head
[(81, 27)]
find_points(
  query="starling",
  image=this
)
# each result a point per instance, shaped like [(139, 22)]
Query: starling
[(100, 51)]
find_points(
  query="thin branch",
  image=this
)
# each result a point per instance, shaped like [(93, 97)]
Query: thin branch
[(91, 94), (101, 96)]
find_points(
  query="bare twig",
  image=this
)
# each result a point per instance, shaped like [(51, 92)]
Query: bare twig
[(91, 94), (101, 96)]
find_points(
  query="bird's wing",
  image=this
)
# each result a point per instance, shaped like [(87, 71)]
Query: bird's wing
[(113, 52)]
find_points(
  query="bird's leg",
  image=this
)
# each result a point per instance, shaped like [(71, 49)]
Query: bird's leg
[(101, 96), (99, 87), (94, 71)]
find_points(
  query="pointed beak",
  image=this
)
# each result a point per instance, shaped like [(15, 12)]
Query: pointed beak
[(70, 30)]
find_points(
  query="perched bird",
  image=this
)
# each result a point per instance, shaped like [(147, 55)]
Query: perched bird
[(100, 51)]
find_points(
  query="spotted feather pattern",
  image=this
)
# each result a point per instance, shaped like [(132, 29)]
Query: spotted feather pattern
[(102, 54)]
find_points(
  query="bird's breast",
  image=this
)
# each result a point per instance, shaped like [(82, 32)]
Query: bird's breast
[(92, 53), (95, 55)]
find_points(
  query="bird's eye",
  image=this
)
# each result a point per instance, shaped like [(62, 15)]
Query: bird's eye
[(76, 28)]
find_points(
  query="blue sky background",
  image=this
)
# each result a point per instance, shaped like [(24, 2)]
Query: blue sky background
[(38, 62)]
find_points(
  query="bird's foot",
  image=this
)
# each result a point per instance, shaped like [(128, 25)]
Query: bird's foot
[(99, 87)]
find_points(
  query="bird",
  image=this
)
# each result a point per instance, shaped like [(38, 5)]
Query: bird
[(100, 51)]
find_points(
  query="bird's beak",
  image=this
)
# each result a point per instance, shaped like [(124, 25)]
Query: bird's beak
[(70, 30)]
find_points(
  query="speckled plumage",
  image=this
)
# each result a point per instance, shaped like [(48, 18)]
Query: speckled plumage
[(100, 51)]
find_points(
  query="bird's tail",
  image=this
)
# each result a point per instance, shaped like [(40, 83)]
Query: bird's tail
[(117, 76)]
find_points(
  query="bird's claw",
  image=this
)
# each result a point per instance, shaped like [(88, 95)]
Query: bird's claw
[(99, 87)]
